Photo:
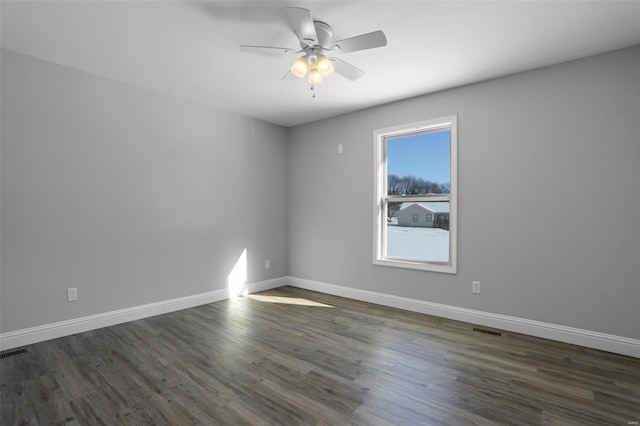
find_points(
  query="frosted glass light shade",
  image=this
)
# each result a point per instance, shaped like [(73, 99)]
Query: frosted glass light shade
[(300, 67), (315, 77), (324, 66)]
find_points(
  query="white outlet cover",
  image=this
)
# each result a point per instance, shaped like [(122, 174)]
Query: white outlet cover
[(72, 294)]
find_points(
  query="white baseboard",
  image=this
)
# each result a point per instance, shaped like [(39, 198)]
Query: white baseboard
[(28, 336), (590, 339)]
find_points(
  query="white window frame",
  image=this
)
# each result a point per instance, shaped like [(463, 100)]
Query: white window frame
[(381, 199)]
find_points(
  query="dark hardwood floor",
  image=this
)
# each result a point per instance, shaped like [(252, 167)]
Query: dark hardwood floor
[(290, 356)]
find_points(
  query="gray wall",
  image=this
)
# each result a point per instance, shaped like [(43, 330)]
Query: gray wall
[(135, 197), (131, 196), (549, 196)]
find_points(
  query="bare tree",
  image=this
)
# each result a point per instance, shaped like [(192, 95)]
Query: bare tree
[(408, 185)]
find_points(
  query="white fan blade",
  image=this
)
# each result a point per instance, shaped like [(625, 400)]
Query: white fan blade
[(346, 70), (266, 49), (289, 76), (361, 42), (302, 24)]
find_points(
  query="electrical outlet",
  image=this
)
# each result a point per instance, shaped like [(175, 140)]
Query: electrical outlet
[(475, 287), (72, 294), (267, 264), (340, 148)]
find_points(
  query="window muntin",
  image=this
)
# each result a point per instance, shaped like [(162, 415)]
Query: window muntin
[(415, 176)]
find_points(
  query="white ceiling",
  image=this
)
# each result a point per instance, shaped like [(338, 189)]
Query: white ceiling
[(190, 49)]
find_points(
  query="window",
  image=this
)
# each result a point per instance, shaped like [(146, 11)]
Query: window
[(415, 176)]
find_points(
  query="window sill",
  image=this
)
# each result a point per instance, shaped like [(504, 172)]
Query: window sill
[(422, 266)]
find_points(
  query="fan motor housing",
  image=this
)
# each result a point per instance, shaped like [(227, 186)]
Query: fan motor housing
[(324, 32)]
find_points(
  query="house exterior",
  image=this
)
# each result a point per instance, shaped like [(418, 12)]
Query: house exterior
[(424, 214)]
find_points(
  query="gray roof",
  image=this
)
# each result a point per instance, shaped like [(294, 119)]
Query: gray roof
[(433, 206)]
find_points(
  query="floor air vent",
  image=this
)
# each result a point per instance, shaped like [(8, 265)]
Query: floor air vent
[(13, 352), (493, 333)]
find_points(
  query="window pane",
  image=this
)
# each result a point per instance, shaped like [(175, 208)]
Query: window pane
[(426, 239), (419, 164), (416, 195)]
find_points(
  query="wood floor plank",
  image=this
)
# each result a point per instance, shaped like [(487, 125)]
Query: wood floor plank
[(292, 356)]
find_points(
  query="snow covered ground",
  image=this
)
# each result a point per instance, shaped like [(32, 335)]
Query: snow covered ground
[(418, 243)]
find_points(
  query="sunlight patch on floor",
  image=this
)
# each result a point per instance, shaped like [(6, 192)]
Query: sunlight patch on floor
[(286, 300)]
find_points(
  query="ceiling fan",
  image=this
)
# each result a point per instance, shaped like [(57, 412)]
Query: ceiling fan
[(315, 44)]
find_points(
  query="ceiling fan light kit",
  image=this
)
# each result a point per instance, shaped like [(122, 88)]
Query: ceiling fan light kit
[(321, 67), (315, 43)]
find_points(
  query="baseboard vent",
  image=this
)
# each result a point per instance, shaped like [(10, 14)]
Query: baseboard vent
[(13, 352), (482, 330)]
